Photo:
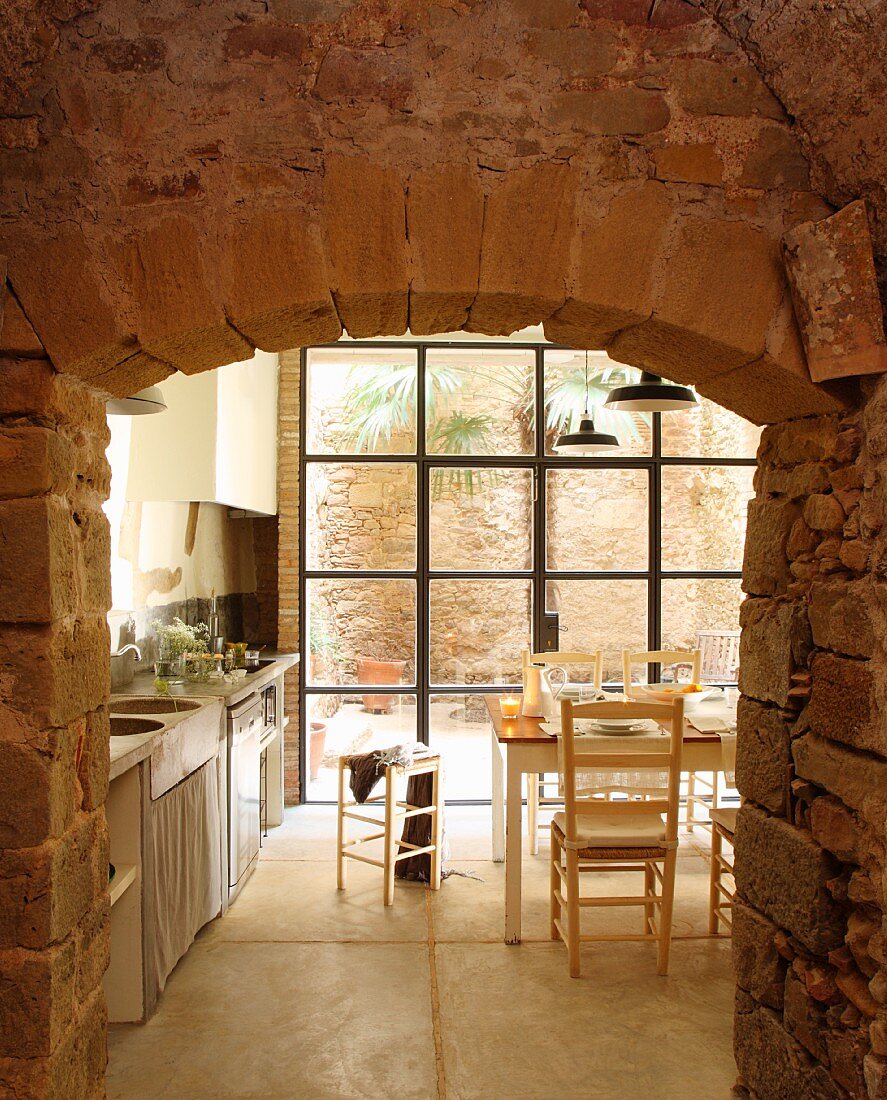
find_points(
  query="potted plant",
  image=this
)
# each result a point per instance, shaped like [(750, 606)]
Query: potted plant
[(372, 670), (381, 399), (316, 747)]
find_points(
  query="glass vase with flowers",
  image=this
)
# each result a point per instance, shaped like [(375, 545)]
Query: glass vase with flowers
[(179, 650)]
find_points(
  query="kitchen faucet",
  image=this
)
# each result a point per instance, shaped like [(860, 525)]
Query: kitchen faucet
[(130, 646)]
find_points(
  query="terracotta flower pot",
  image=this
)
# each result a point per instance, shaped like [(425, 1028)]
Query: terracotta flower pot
[(317, 744), (370, 671)]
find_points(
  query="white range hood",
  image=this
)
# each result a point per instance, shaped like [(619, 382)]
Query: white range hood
[(216, 441)]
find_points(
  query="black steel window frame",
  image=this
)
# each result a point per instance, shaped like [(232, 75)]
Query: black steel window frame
[(539, 575)]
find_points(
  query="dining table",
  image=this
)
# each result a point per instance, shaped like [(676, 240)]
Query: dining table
[(520, 746)]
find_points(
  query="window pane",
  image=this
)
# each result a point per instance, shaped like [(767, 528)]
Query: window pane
[(460, 729), (342, 724), (481, 519), (708, 431), (360, 515), (480, 401), (703, 516), (361, 632), (597, 519), (361, 400), (479, 630), (565, 400), (710, 605), (607, 615)]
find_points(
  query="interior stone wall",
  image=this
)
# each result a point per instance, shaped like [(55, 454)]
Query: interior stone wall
[(54, 736), (282, 155), (277, 156), (809, 944)]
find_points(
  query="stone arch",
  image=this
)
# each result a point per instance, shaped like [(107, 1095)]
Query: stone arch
[(615, 171), (623, 176), (678, 287)]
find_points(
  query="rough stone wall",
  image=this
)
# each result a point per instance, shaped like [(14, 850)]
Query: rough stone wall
[(279, 157), (289, 419), (54, 686), (843, 45), (811, 844)]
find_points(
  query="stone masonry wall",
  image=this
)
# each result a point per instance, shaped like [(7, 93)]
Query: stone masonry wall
[(54, 686), (625, 181), (811, 844)]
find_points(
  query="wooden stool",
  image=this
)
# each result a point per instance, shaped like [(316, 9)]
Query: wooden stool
[(720, 898), (395, 812)]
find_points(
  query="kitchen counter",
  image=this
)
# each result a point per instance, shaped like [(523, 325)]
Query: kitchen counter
[(129, 750), (231, 693)]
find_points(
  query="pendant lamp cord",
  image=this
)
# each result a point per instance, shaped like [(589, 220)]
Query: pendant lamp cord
[(586, 383)]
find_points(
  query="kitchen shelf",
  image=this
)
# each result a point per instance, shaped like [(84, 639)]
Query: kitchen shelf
[(124, 877)]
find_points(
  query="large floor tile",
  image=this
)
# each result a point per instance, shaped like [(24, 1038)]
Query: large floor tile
[(295, 901), (280, 1021), (302, 991), (473, 909), (515, 1024), (307, 832)]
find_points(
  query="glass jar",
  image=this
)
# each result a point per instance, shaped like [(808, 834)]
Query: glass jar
[(170, 669)]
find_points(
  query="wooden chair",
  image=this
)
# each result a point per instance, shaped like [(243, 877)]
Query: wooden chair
[(665, 658), (719, 650), (707, 798), (720, 897), (395, 812), (536, 784), (593, 834)]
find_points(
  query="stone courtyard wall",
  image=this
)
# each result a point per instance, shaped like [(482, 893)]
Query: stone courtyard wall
[(810, 952), (364, 516)]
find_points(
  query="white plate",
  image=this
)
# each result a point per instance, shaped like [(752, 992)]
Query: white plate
[(618, 725), (662, 693)]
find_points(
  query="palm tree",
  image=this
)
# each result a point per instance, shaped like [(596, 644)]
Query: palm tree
[(381, 402)]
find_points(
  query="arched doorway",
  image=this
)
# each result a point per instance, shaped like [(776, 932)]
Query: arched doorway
[(639, 218)]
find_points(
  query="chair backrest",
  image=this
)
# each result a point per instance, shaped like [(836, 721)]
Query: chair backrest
[(667, 759), (662, 657), (569, 657), (720, 654)]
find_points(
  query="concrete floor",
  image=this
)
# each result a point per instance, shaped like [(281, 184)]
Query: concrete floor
[(304, 992)]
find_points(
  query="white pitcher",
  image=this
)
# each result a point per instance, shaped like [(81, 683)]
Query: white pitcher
[(540, 699)]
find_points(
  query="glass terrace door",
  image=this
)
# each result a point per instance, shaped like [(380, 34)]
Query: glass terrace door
[(443, 536)]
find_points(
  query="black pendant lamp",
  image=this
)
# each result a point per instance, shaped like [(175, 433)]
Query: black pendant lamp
[(588, 440), (651, 394)]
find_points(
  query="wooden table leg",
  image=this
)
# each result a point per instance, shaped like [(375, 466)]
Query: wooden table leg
[(513, 846), (498, 801)]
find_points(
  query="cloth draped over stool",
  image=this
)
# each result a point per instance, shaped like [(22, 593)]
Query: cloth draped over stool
[(366, 771)]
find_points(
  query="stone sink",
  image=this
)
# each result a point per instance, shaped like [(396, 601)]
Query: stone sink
[(152, 705), (126, 727)]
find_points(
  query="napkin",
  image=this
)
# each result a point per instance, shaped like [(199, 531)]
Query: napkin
[(708, 724)]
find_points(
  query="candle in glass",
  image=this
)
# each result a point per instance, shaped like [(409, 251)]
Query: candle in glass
[(509, 705)]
